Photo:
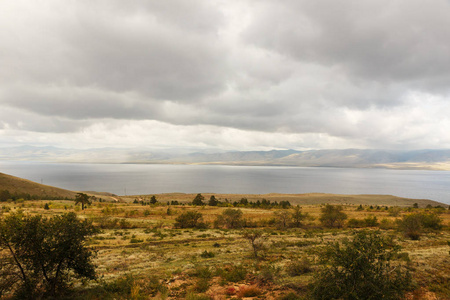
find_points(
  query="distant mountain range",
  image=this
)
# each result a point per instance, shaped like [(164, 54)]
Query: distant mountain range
[(352, 158)]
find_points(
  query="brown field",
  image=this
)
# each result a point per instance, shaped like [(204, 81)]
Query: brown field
[(159, 261)]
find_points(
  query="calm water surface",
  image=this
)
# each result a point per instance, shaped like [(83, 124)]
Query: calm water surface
[(132, 179)]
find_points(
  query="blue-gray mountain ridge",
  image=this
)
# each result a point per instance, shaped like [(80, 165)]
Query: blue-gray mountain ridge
[(354, 158)]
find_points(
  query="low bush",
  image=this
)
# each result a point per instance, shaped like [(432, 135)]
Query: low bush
[(355, 223), (332, 216), (206, 254), (414, 224), (249, 291), (371, 221), (362, 268), (299, 267), (268, 274), (232, 273), (190, 219), (290, 296)]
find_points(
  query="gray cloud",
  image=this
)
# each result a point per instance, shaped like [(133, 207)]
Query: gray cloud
[(362, 74)]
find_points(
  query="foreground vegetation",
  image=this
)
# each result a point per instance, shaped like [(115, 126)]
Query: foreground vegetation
[(144, 248)]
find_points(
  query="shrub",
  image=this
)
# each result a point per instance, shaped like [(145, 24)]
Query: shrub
[(120, 286), (135, 240), (431, 221), (283, 219), (202, 272), (268, 274), (249, 291), (233, 273), (355, 223), (387, 224), (230, 218), (298, 217), (413, 225), (190, 219), (371, 221), (299, 267), (332, 216), (290, 296), (394, 211), (256, 239), (202, 285), (361, 269), (206, 254), (195, 296)]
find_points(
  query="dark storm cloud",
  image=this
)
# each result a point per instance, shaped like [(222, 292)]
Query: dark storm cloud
[(376, 72)]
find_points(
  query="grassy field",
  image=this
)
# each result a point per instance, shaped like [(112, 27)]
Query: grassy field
[(141, 255)]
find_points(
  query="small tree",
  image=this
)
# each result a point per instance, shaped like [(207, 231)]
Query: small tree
[(198, 200), (282, 219), (190, 219), (213, 201), (45, 253), (256, 239), (83, 199), (153, 200), (361, 269), (297, 216), (230, 218), (332, 216)]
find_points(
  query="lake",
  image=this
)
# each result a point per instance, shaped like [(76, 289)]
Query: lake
[(133, 179)]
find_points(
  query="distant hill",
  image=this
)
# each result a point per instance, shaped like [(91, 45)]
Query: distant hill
[(302, 199), (348, 158), (19, 186)]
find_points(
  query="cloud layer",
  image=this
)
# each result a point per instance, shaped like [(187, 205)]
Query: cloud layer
[(225, 75)]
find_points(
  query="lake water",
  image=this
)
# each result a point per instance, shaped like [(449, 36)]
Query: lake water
[(133, 179)]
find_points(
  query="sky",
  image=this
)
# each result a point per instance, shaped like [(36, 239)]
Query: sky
[(225, 75)]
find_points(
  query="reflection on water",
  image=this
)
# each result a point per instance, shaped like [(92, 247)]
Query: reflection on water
[(134, 179)]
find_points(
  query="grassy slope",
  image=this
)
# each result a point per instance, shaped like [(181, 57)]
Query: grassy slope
[(18, 185)]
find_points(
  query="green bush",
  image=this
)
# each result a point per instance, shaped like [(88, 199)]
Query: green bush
[(299, 267), (355, 223), (206, 254), (332, 216), (230, 218), (190, 219), (371, 221), (233, 273), (268, 274), (414, 224), (290, 296), (361, 268)]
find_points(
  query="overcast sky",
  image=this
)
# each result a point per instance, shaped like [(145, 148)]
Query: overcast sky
[(231, 75)]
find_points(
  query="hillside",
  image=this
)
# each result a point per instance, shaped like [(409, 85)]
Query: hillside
[(16, 185)]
